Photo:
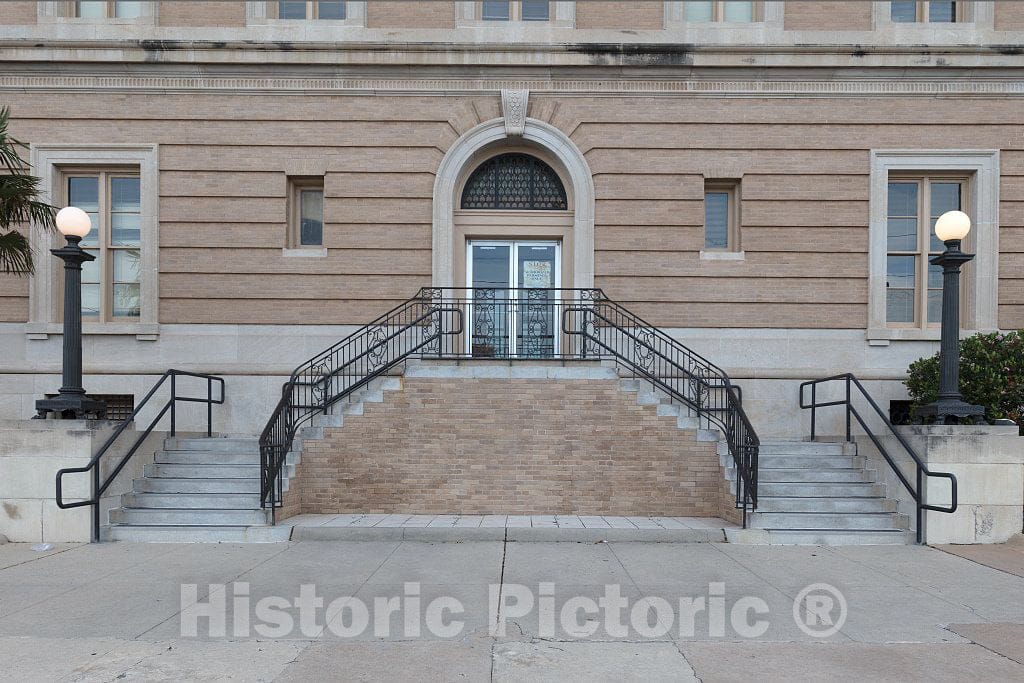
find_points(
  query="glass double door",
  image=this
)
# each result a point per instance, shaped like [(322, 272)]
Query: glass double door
[(513, 298)]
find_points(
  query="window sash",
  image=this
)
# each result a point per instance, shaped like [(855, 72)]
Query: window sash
[(923, 280), (109, 9), (299, 10), (306, 213), (721, 11), (111, 285), (721, 216), (927, 11), (514, 10)]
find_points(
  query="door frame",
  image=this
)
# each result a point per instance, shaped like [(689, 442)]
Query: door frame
[(514, 245)]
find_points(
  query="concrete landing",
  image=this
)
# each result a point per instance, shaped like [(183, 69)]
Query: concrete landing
[(567, 528)]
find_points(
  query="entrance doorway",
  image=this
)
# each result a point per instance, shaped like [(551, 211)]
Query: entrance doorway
[(513, 298)]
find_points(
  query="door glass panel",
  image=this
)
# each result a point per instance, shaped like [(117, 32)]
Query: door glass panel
[(536, 324), (491, 281)]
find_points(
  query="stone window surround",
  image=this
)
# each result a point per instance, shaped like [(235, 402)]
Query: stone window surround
[(47, 163), (516, 128), (733, 184), (982, 292), (258, 14), (63, 12), (981, 17), (562, 15)]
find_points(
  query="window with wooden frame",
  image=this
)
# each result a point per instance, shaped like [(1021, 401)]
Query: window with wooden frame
[(311, 9), (108, 9), (721, 216), (515, 10), (306, 213), (111, 289), (928, 11), (914, 286), (722, 11)]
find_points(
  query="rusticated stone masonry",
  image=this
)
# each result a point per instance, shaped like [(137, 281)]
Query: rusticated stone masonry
[(516, 446)]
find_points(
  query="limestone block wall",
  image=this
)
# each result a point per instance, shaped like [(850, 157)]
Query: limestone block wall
[(516, 446)]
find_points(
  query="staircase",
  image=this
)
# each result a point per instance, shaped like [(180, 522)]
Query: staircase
[(196, 490), (207, 489), (816, 493)]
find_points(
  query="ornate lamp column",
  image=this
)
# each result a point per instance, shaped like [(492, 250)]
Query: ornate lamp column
[(72, 403), (951, 228)]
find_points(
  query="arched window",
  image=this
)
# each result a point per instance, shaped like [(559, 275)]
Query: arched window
[(514, 181)]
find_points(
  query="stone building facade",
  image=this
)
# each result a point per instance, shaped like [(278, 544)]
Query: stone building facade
[(754, 178)]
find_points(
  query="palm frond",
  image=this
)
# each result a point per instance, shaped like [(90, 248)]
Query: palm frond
[(15, 253), (19, 203), (9, 156)]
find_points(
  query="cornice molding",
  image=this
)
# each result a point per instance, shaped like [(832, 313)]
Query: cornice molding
[(455, 86)]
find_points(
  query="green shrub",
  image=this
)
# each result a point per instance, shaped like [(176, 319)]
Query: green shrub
[(991, 375)]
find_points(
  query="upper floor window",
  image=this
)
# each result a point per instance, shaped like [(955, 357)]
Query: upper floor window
[(107, 9), (914, 11), (311, 9), (733, 11), (515, 10)]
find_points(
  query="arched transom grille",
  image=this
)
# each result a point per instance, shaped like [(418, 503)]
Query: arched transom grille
[(514, 181)]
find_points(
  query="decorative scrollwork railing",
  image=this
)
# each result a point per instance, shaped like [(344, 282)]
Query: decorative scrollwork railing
[(507, 324)]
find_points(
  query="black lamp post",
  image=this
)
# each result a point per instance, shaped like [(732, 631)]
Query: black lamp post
[(951, 228), (71, 402)]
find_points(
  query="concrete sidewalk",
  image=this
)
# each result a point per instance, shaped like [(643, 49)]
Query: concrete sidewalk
[(116, 611)]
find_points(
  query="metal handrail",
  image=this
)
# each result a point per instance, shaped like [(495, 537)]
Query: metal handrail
[(687, 377), (98, 487), (507, 323), (916, 491), (413, 327)]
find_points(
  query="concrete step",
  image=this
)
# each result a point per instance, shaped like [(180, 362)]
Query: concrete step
[(196, 534), (184, 485), (332, 420), (807, 448), (188, 517), (821, 476), (212, 444), (219, 501), (832, 537), (807, 504), (770, 462), (820, 490), (190, 457), (202, 471), (820, 520)]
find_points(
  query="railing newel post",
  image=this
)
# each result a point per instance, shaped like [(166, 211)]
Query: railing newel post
[(174, 404), (849, 407), (814, 409), (209, 407), (96, 503)]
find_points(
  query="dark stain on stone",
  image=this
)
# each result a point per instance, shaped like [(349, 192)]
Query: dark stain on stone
[(12, 511), (1009, 49), (635, 54), (859, 52)]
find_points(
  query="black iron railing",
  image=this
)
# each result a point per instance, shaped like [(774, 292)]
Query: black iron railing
[(917, 489), (100, 483), (510, 324)]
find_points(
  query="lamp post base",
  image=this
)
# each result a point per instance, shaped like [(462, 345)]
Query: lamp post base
[(71, 407), (952, 411)]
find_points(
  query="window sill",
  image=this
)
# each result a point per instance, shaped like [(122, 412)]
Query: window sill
[(304, 252), (141, 331), (722, 256), (881, 336)]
